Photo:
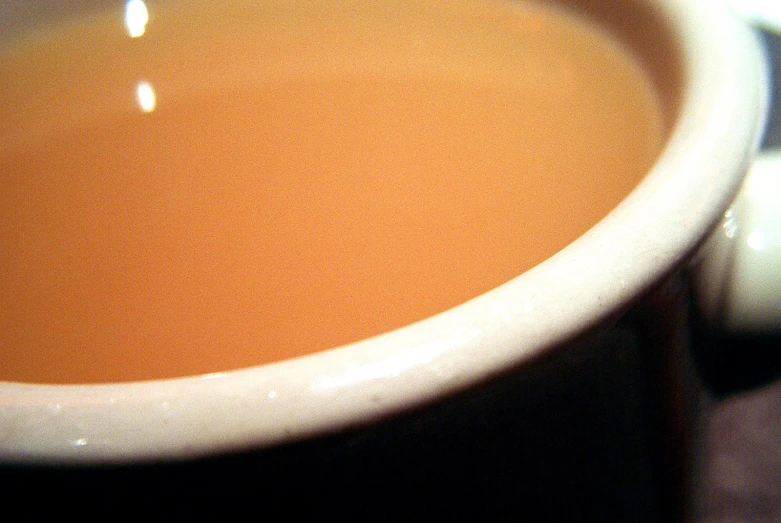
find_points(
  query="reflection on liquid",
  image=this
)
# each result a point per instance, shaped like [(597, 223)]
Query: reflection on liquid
[(136, 17), (146, 96)]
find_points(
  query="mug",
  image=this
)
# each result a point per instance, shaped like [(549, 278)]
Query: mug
[(571, 392)]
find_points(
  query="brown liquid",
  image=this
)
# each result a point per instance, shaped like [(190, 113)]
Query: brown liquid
[(310, 176)]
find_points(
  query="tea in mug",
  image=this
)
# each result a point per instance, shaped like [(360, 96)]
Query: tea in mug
[(246, 182)]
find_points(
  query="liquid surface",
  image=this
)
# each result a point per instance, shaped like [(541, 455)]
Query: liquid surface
[(252, 183)]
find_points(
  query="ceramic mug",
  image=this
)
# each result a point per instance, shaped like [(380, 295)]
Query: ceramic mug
[(571, 390)]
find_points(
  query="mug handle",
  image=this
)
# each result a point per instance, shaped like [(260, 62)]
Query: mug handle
[(738, 275), (751, 293)]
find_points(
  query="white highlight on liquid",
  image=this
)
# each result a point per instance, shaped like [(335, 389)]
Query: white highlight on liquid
[(146, 96), (136, 17)]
